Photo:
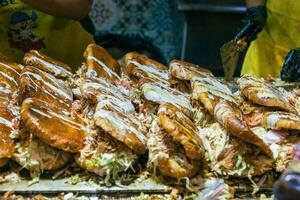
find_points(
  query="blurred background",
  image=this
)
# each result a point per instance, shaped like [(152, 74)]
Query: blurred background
[(191, 30)]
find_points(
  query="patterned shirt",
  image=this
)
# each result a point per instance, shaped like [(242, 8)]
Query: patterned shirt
[(156, 23)]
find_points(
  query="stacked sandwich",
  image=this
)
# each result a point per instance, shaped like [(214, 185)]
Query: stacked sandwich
[(109, 114)]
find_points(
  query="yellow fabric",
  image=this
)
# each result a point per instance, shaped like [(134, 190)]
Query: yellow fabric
[(281, 33), (22, 28)]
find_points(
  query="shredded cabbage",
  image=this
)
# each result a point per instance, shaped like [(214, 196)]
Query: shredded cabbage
[(282, 153), (108, 164), (215, 139), (23, 157)]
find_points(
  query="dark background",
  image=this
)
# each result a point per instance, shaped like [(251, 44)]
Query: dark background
[(209, 24)]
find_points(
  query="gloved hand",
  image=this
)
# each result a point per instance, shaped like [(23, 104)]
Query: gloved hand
[(252, 24), (291, 68)]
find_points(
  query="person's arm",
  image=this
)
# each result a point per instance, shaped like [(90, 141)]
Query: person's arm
[(72, 9)]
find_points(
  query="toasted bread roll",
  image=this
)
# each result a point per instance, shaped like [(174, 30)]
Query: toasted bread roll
[(209, 101), (186, 71), (123, 127), (7, 145), (231, 118), (36, 83), (9, 73), (160, 93), (53, 125), (47, 64), (101, 64), (261, 93), (107, 95), (167, 157), (142, 67), (213, 87), (182, 130), (281, 120)]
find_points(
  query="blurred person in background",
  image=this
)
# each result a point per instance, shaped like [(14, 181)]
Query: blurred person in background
[(49, 26), (154, 28), (272, 29)]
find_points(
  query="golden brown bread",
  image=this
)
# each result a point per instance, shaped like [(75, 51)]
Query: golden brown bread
[(9, 84), (101, 64), (167, 157), (3, 162), (231, 118), (7, 145), (213, 88), (182, 130), (36, 83), (47, 64), (7, 61), (261, 93), (160, 93), (280, 120), (106, 95), (9, 73), (53, 125), (143, 67), (123, 127), (219, 102), (186, 71)]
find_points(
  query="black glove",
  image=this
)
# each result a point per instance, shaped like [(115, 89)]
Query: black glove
[(291, 68), (252, 24)]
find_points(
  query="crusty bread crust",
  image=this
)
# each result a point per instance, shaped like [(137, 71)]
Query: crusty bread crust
[(7, 145), (36, 83), (47, 64), (261, 93), (253, 94), (166, 156), (101, 64), (233, 122), (186, 71), (281, 120), (53, 125), (143, 67), (182, 130), (123, 128)]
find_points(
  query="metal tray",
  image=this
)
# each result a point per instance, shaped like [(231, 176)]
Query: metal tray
[(52, 187)]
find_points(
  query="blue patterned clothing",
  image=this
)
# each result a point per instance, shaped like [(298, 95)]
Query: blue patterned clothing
[(154, 24)]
